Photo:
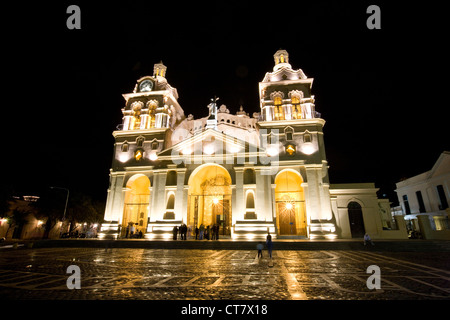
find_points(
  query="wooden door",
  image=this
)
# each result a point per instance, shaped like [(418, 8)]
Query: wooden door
[(286, 220)]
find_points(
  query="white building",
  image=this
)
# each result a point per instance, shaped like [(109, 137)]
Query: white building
[(427, 193), (249, 174)]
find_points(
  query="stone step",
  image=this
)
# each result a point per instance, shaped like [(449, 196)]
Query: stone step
[(380, 246)]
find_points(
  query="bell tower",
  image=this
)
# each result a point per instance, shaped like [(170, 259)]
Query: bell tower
[(150, 115), (292, 129)]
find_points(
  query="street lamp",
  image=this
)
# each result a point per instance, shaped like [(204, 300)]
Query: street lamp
[(65, 208)]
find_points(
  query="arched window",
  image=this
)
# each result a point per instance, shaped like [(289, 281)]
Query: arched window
[(250, 206), (250, 203), (140, 141), (249, 176), (125, 147), (278, 109), (289, 133), (307, 137), (296, 108), (171, 202), (170, 214)]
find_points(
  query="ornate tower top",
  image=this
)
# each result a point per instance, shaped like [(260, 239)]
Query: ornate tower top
[(159, 69), (281, 58)]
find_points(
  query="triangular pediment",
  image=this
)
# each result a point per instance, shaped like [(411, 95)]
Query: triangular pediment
[(208, 143), (442, 165)]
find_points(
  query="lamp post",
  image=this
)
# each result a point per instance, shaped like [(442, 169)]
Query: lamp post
[(65, 208)]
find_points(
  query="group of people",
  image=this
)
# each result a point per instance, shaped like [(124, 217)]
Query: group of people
[(202, 232), (183, 230), (269, 245), (208, 233), (133, 232)]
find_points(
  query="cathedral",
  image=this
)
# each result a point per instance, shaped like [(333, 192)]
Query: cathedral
[(248, 174)]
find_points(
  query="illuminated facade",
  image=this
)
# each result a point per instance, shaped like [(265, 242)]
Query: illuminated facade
[(248, 174)]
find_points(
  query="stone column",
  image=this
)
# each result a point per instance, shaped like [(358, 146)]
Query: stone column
[(238, 213), (158, 206), (425, 226), (179, 197), (263, 195), (114, 203), (313, 194), (318, 194)]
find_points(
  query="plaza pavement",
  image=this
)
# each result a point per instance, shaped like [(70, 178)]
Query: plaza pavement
[(225, 270)]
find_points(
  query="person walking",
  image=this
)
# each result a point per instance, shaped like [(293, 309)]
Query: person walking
[(260, 247)]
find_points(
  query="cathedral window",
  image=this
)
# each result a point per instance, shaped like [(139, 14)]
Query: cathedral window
[(140, 141), (171, 202), (125, 147), (296, 108), (278, 108), (170, 214), (289, 133), (250, 205), (307, 137)]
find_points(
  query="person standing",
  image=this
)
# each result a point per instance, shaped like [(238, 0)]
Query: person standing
[(269, 244), (175, 232), (132, 230), (180, 230), (196, 233), (185, 230), (127, 230), (188, 232), (213, 232), (202, 231)]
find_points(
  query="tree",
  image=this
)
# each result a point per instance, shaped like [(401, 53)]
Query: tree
[(81, 209), (5, 206), (50, 207), (16, 219)]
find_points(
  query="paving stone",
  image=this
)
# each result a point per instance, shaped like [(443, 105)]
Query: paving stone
[(186, 274)]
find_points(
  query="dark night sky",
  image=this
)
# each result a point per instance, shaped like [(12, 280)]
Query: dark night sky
[(380, 91)]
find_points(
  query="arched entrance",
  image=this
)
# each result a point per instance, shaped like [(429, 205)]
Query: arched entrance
[(290, 203), (136, 204), (210, 198), (356, 220)]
